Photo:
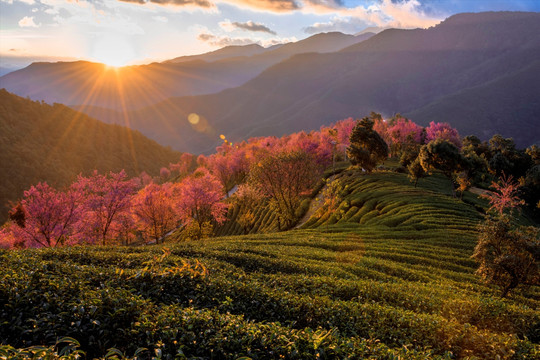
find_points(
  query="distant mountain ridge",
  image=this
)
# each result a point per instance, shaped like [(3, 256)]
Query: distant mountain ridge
[(40, 142), (231, 51), (416, 72), (89, 84)]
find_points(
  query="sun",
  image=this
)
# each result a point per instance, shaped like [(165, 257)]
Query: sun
[(113, 50)]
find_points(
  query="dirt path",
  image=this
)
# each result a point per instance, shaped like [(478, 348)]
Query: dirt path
[(316, 203), (478, 191)]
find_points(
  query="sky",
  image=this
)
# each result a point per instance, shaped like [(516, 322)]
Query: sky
[(123, 32)]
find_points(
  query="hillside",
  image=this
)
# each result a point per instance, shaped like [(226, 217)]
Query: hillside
[(87, 84), (518, 105), (393, 71), (393, 281), (39, 142)]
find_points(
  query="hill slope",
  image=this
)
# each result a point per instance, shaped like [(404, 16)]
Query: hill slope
[(89, 84), (39, 142), (377, 290), (516, 113), (393, 71)]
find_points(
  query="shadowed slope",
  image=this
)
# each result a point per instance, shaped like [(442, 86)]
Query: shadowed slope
[(39, 142)]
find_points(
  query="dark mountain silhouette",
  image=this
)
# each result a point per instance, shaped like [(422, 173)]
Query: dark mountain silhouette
[(417, 72), (516, 112), (40, 142), (90, 84)]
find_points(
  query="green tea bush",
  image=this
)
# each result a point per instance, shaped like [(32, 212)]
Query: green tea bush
[(400, 285)]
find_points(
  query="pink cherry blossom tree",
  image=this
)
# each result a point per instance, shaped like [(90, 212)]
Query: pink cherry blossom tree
[(107, 199), (164, 173), (230, 168), (184, 165), (504, 195), (404, 134), (155, 211), (442, 131), (200, 198), (46, 218)]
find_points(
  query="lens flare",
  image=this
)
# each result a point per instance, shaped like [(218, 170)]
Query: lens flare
[(193, 119)]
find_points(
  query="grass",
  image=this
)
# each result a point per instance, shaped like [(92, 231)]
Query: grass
[(387, 276)]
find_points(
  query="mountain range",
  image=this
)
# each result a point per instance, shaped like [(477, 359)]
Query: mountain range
[(479, 72), (127, 88)]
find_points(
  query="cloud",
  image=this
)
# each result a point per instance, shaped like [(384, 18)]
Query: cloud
[(277, 41), (188, 3), (28, 21), (386, 13), (162, 19), (344, 25), (402, 14), (279, 6), (248, 26), (223, 41)]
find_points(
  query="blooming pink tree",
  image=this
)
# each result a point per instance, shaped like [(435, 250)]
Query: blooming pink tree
[(107, 199), (404, 134), (404, 130), (201, 160), (46, 218), (154, 210), (229, 167), (344, 130), (200, 198), (164, 173), (184, 165), (504, 196), (442, 131), (381, 127)]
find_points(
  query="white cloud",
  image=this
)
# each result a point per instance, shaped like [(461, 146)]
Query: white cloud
[(222, 41), (208, 37), (405, 14), (384, 14), (162, 19), (28, 21), (345, 25), (229, 26)]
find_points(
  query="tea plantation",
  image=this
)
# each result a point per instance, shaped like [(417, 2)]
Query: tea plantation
[(384, 274)]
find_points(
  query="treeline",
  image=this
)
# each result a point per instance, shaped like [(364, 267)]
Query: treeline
[(40, 142), (465, 161), (194, 193)]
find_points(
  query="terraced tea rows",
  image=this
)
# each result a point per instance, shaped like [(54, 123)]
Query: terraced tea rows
[(374, 288)]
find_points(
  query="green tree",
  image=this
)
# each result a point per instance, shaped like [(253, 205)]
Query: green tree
[(441, 155), (508, 256), (367, 147), (416, 171)]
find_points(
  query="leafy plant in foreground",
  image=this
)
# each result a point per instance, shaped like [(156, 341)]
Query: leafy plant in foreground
[(508, 255)]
